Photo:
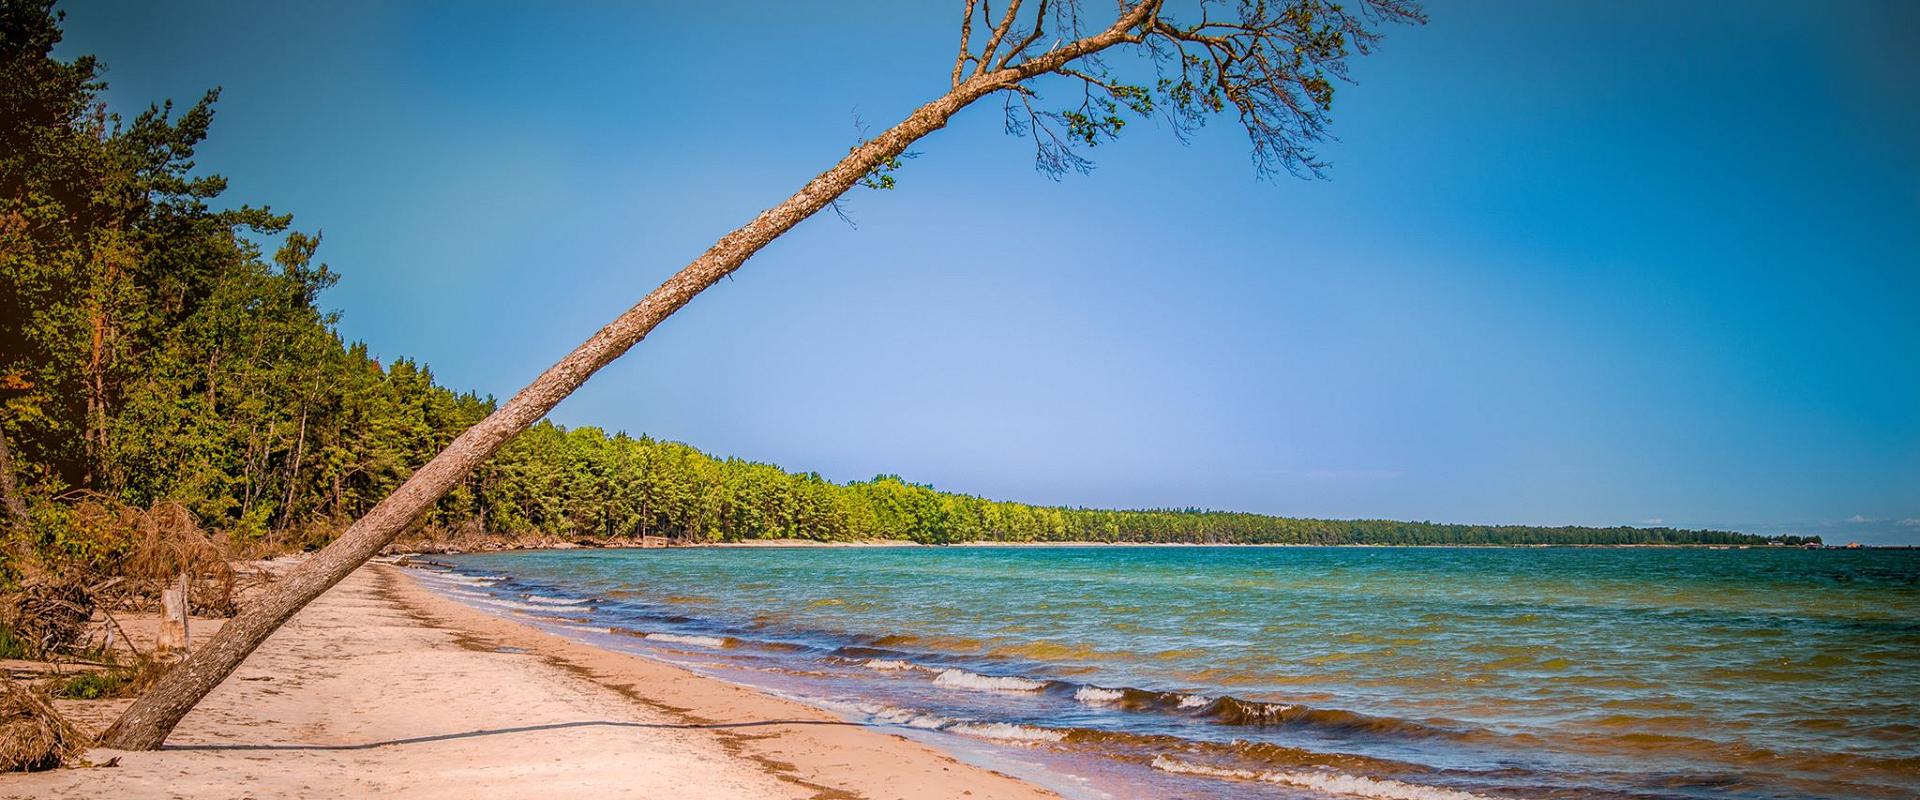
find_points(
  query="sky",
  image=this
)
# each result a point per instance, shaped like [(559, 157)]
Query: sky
[(1595, 263)]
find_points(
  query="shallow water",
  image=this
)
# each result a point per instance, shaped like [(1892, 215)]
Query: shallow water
[(1430, 673)]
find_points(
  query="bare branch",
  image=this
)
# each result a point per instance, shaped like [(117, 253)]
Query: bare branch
[(966, 32), (1039, 30), (1274, 64), (999, 33)]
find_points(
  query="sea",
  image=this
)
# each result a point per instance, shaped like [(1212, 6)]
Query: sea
[(1295, 672)]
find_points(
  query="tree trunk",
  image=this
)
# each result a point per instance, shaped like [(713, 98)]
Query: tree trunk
[(173, 636), (10, 490), (146, 723), (293, 470)]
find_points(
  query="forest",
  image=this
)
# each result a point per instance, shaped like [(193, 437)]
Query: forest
[(160, 344)]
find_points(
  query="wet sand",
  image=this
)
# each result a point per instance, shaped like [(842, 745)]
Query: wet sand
[(382, 688)]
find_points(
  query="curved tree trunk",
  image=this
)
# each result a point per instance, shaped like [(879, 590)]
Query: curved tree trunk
[(146, 723)]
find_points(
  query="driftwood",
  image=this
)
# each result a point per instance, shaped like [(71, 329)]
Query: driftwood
[(50, 613)]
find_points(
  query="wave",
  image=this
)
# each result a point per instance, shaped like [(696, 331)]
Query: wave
[(1275, 758), (472, 580), (516, 605), (1218, 709), (1129, 745), (675, 638), (892, 715), (997, 731), (1096, 696), (890, 665), (1235, 711), (1007, 732), (1329, 782), (962, 679), (557, 601)]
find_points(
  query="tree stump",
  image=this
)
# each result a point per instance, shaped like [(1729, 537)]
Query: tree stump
[(173, 618)]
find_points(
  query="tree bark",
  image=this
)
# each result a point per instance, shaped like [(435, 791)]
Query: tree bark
[(146, 723)]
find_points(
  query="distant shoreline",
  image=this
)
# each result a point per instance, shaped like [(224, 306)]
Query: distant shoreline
[(876, 543), (907, 543)]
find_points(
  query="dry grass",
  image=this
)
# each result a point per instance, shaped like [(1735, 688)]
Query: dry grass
[(33, 736), (160, 543)]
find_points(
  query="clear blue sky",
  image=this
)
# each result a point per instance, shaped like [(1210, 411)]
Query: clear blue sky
[(1597, 263)]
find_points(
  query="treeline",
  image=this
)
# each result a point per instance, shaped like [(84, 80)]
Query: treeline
[(151, 349), (586, 483)]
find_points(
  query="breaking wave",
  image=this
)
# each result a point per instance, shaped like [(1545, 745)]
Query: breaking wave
[(962, 679), (564, 602), (472, 580), (1329, 782), (1006, 732), (697, 641), (890, 665), (1096, 696)]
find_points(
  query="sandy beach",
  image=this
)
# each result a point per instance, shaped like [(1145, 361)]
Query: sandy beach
[(382, 688)]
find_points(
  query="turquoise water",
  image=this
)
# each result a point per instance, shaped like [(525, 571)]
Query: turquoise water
[(1431, 673)]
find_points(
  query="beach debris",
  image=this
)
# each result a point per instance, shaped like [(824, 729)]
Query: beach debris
[(49, 612), (170, 551), (33, 736)]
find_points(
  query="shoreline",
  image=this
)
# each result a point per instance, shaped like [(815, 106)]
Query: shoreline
[(383, 687), (905, 543)]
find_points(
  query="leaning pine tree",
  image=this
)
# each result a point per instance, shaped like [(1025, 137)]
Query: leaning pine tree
[(1271, 64)]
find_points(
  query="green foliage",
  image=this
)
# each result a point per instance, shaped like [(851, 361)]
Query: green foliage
[(12, 646), (92, 685), (881, 176), (149, 350), (1272, 64)]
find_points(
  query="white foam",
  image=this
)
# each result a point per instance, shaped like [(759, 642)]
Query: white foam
[(1329, 782), (962, 679), (555, 601), (1095, 696), (1007, 732), (1194, 700), (473, 580), (889, 665), (675, 638), (901, 716), (515, 605)]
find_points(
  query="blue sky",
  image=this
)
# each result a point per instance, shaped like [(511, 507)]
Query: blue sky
[(1588, 263)]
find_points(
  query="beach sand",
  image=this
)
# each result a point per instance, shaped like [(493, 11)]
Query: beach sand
[(382, 688)]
